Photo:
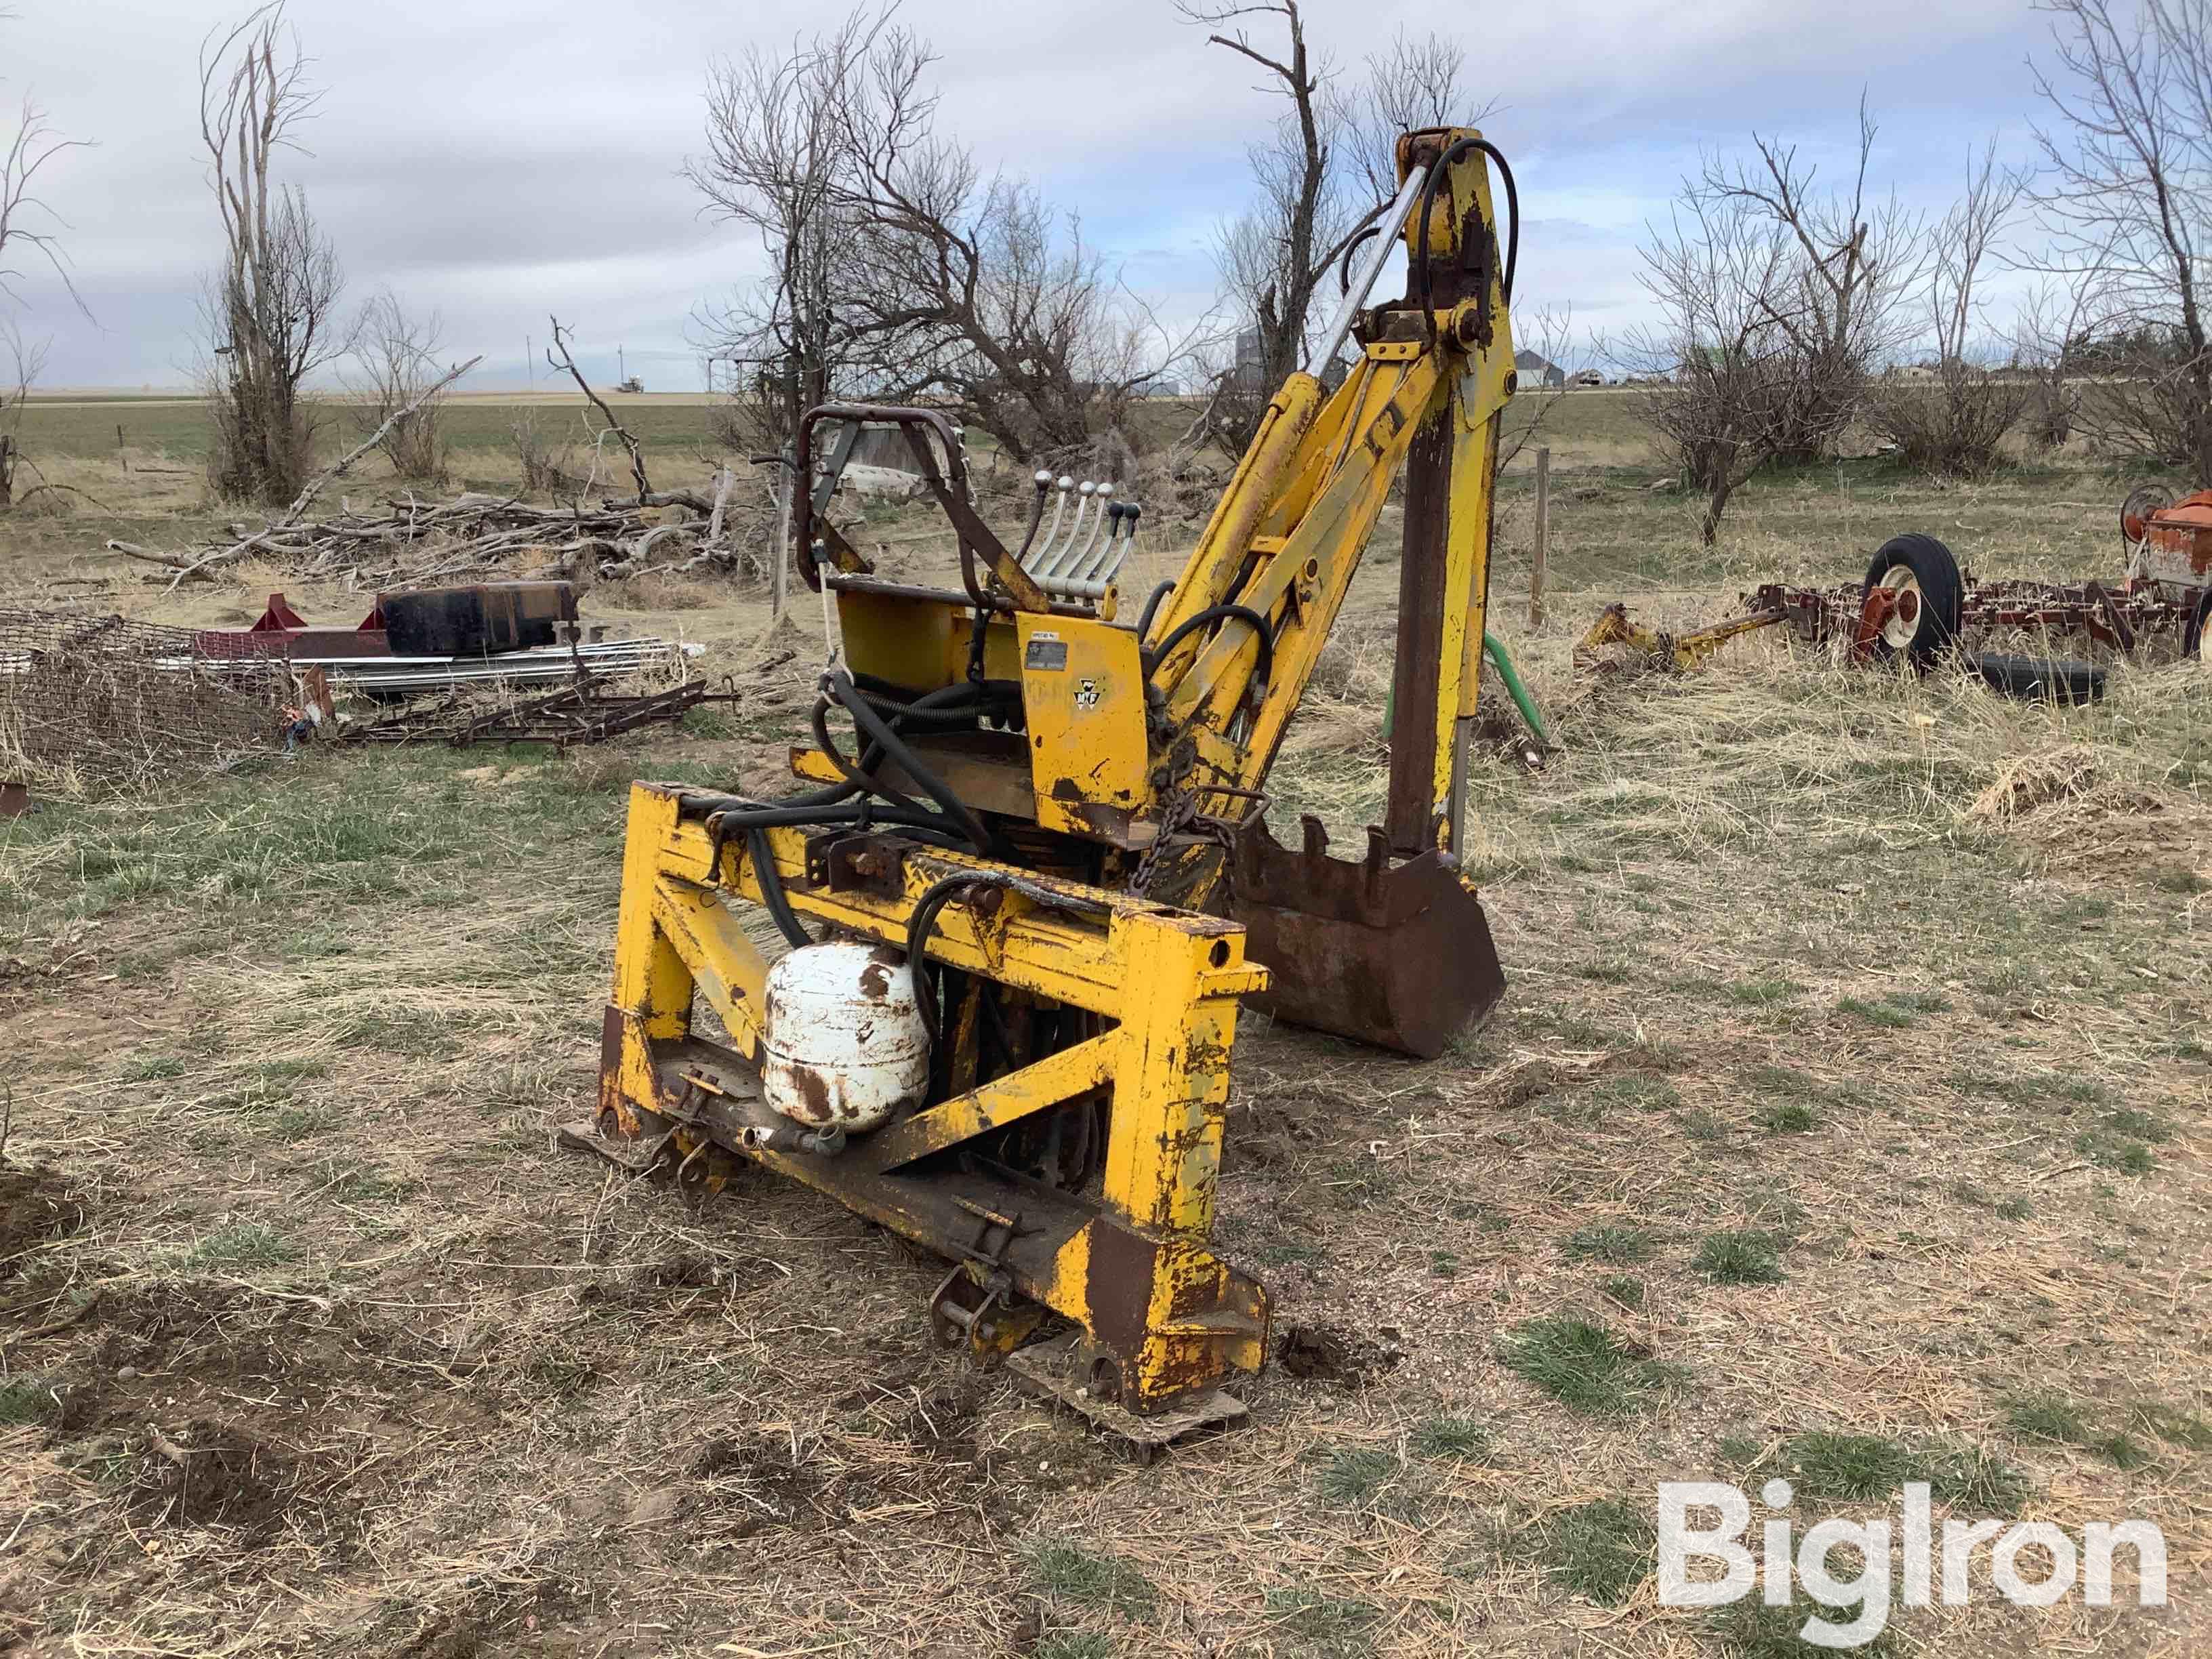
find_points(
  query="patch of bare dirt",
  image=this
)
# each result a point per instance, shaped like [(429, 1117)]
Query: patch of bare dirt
[(211, 1475), (1321, 1353), (35, 1205)]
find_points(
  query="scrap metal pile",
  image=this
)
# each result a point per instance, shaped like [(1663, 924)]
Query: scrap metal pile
[(508, 662), (430, 640), (1917, 602), (106, 698), (411, 541)]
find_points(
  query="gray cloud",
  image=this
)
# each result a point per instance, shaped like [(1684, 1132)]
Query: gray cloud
[(499, 160)]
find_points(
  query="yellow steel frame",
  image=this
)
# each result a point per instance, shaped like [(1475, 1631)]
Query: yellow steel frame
[(1165, 1314)]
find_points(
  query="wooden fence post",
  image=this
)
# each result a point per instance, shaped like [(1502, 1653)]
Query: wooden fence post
[(1543, 537)]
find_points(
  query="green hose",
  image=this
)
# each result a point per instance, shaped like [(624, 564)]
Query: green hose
[(1521, 700), (1514, 689)]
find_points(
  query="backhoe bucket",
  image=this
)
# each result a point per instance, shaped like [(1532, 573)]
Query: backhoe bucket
[(1398, 958)]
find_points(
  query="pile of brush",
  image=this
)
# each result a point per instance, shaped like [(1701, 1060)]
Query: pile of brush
[(407, 541)]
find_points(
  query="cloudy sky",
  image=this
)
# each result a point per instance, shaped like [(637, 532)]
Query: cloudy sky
[(501, 160)]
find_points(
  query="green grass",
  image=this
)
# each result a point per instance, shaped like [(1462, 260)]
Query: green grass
[(1583, 1366), (1628, 1292), (1601, 1550), (1745, 1256), (1738, 1450), (1075, 1644), (2015, 1207), (241, 1244), (1881, 1013), (1620, 1246), (2054, 1418), (1702, 1125), (1749, 1629), (2172, 1424), (1459, 1437), (1353, 1477), (1855, 1467), (1647, 1093), (1095, 1580), (2111, 1150), (1845, 1466), (26, 1400), (1788, 1117), (1761, 993), (1314, 1616)]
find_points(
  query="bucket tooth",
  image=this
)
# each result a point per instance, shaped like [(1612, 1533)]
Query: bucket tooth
[(1398, 956)]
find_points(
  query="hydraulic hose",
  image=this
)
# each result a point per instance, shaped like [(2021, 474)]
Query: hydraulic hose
[(1214, 613), (934, 897), (1518, 692), (1152, 609), (840, 686), (771, 887), (1452, 153)]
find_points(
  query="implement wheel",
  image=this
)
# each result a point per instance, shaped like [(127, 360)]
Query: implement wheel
[(1920, 609), (2196, 635)]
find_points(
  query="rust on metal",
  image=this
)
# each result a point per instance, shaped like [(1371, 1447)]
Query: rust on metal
[(1397, 956)]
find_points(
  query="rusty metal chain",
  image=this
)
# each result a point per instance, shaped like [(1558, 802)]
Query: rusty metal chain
[(1176, 811)]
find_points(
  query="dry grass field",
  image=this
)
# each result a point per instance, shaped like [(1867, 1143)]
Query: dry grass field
[(1847, 1118)]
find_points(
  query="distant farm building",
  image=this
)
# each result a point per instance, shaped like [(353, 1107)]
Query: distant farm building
[(1536, 370)]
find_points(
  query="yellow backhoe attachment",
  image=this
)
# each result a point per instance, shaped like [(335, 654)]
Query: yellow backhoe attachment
[(1032, 886)]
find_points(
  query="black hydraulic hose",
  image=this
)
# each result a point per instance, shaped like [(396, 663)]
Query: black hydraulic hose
[(1213, 613), (1151, 608), (875, 726), (1428, 198), (1344, 265), (934, 897), (859, 777), (771, 887)]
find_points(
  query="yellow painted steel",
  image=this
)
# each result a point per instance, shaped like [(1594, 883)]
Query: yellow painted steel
[(1082, 689), (1091, 763), (1167, 983)]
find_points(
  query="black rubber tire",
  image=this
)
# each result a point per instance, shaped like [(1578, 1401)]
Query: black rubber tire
[(1942, 592), (2040, 679), (2197, 632)]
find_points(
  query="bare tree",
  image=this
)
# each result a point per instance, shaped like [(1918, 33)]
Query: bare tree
[(1417, 82), (398, 355), (779, 160), (2128, 200), (24, 361), (973, 290), (1722, 366), (1837, 301), (1328, 160), (22, 214), (1549, 332), (2048, 330), (1956, 423), (272, 309), (24, 218), (1272, 258), (898, 270)]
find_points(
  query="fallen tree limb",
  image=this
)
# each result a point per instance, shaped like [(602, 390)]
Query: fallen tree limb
[(316, 485)]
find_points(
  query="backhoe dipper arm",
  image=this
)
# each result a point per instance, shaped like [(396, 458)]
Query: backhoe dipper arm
[(1287, 536)]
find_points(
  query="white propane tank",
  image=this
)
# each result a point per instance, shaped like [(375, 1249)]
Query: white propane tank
[(843, 1045)]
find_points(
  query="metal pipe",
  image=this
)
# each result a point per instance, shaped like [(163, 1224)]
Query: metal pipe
[(1340, 326)]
